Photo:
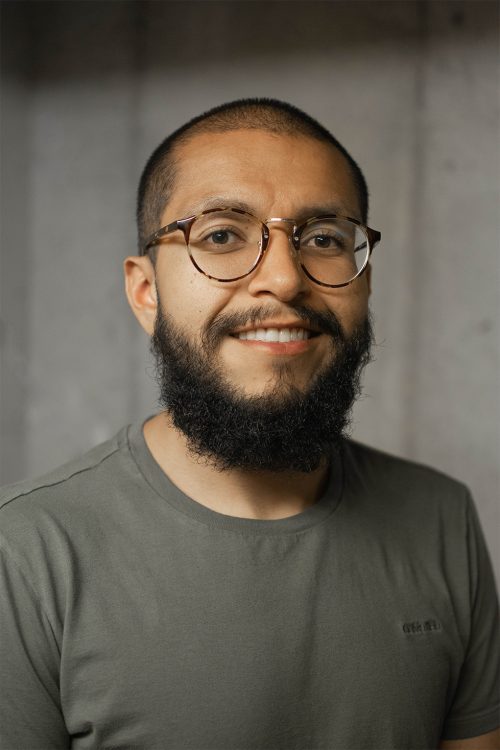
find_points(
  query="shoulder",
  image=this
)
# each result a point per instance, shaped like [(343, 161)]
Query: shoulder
[(377, 470), (66, 494), (395, 492), (54, 527), (67, 474)]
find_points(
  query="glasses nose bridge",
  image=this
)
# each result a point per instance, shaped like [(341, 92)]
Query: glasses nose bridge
[(290, 234)]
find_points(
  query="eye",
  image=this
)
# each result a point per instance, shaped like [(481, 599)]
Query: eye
[(323, 240), (220, 237), (326, 241)]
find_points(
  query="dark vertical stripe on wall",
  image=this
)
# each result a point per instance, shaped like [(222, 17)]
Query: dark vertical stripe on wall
[(416, 257), (138, 11), (14, 237)]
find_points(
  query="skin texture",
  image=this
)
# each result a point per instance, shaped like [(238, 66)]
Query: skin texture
[(275, 175)]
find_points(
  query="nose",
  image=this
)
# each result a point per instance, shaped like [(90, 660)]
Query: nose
[(279, 272)]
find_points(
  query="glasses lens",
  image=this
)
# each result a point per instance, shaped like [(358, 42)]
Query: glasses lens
[(225, 244), (333, 251)]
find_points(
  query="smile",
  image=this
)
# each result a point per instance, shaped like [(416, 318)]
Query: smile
[(275, 335)]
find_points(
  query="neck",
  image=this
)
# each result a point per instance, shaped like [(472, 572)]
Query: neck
[(245, 494)]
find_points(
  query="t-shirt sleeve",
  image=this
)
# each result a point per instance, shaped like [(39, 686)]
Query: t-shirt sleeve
[(30, 713), (475, 708)]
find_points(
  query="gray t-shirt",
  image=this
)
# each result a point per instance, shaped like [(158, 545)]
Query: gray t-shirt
[(135, 617)]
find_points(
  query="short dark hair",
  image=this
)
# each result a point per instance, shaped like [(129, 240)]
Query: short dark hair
[(157, 179)]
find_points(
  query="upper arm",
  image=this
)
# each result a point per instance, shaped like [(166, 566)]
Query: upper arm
[(488, 741), (474, 710), (29, 699)]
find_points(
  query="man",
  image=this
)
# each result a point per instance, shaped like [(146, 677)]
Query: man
[(235, 573)]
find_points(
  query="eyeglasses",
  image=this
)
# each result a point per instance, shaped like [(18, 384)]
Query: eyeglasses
[(227, 244)]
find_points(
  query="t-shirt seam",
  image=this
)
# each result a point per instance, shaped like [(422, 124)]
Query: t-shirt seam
[(240, 532), (473, 717), (60, 481), (36, 598)]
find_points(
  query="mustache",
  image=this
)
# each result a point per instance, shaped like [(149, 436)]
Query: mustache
[(224, 323)]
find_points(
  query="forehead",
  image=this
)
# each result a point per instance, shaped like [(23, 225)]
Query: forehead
[(273, 174)]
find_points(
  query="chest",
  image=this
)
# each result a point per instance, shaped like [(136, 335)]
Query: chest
[(290, 647)]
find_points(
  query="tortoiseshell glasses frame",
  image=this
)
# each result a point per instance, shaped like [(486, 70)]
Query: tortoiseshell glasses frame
[(185, 226)]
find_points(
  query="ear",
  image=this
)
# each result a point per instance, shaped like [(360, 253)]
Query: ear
[(140, 288)]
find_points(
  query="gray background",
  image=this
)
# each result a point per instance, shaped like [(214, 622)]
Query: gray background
[(411, 89)]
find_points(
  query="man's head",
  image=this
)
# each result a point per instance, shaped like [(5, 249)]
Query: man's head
[(158, 177), (240, 399)]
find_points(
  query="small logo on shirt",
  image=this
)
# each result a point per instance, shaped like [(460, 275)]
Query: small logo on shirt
[(421, 626)]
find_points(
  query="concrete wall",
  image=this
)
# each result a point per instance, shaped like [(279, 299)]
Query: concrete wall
[(411, 88)]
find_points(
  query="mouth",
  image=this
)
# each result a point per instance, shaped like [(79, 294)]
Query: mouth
[(275, 340), (275, 335)]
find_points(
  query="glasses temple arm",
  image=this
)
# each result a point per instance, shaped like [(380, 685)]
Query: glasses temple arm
[(154, 238)]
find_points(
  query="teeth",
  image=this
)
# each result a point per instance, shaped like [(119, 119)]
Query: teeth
[(270, 334), (281, 335)]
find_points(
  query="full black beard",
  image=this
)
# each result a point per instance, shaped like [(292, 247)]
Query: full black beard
[(284, 429)]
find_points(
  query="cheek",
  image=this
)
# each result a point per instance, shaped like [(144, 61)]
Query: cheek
[(349, 303), (190, 299)]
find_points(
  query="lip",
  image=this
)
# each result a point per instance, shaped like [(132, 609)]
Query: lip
[(285, 348), (274, 347)]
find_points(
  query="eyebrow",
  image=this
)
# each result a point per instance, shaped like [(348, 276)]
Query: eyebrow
[(305, 213)]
